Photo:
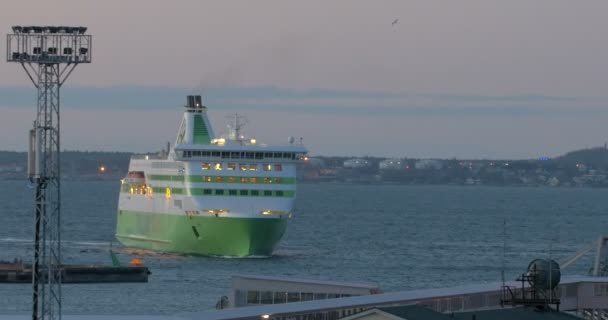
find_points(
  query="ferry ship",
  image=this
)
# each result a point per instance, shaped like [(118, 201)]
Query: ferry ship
[(208, 195)]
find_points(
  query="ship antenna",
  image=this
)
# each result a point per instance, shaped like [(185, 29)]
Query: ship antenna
[(238, 125)]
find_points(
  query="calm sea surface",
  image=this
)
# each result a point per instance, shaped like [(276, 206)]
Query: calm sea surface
[(400, 237)]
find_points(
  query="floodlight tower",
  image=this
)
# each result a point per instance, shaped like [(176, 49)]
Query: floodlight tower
[(48, 55)]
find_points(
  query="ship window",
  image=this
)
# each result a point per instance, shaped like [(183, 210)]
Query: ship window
[(267, 167), (215, 154), (259, 155), (293, 296), (255, 193), (235, 155), (287, 155), (277, 180), (278, 167), (207, 191), (243, 167), (253, 167), (232, 192), (266, 297), (279, 193), (320, 296), (206, 166), (231, 179), (280, 297), (225, 154), (219, 192), (307, 296), (253, 180), (243, 180), (218, 179), (217, 166), (207, 178), (249, 155), (267, 180), (206, 153), (253, 297), (244, 192), (267, 193), (268, 155), (231, 166)]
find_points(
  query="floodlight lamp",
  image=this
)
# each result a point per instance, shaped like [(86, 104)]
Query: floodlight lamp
[(17, 29), (82, 30)]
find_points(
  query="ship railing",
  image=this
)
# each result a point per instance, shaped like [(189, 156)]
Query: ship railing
[(147, 157)]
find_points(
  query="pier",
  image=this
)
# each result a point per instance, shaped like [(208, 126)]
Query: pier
[(18, 272)]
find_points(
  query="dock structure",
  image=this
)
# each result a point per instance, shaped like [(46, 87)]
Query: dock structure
[(580, 295), (18, 272)]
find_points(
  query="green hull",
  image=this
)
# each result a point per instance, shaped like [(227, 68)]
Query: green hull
[(212, 236)]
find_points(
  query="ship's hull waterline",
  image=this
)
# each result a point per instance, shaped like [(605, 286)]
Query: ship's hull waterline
[(200, 235)]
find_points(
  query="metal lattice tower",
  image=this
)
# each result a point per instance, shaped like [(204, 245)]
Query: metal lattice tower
[(48, 55)]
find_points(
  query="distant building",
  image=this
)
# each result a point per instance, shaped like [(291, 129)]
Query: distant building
[(356, 163), (553, 182), (391, 164), (13, 167), (428, 164), (316, 162)]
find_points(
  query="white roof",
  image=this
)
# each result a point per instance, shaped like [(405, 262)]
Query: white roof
[(370, 300), (306, 281)]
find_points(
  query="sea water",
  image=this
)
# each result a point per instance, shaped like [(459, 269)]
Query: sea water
[(398, 237)]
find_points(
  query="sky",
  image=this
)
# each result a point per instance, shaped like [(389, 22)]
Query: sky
[(468, 79)]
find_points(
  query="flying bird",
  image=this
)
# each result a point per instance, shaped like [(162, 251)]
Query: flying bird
[(395, 22)]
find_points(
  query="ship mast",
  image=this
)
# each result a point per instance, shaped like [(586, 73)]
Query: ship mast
[(235, 129)]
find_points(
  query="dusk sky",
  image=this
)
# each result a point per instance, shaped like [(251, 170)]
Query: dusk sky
[(465, 79)]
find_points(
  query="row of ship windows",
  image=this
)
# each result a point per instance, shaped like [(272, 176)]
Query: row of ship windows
[(241, 154), (218, 192), (242, 166), (224, 179), (244, 192), (270, 297), (241, 179)]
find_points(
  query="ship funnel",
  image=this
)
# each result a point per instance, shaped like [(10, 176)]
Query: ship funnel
[(195, 102)]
